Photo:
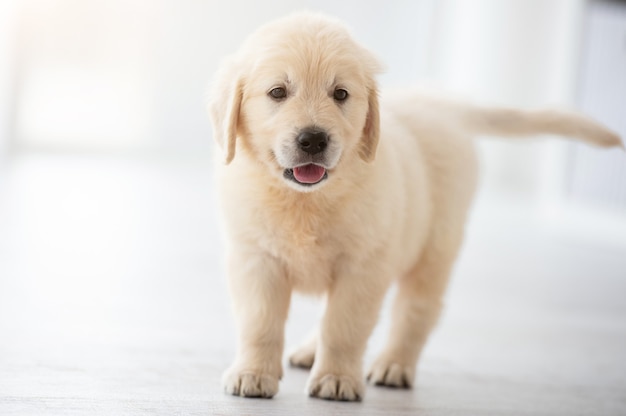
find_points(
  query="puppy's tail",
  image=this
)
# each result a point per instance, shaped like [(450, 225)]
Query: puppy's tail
[(514, 123)]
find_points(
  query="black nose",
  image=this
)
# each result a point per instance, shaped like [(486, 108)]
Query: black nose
[(312, 141)]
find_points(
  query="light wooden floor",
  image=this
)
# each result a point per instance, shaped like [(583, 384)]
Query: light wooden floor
[(112, 301)]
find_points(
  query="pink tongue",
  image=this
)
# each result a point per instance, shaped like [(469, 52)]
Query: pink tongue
[(309, 173)]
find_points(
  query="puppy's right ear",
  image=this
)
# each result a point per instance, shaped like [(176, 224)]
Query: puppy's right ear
[(224, 108)]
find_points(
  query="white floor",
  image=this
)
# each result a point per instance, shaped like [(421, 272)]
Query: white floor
[(112, 301)]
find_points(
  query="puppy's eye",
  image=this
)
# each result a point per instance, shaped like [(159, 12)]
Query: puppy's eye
[(278, 93), (340, 94)]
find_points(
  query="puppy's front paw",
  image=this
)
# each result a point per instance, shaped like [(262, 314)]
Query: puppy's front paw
[(386, 372), (249, 383), (336, 387)]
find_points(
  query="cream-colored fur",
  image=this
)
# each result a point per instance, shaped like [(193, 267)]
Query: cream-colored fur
[(392, 207)]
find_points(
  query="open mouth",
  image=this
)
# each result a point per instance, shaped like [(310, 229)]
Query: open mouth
[(307, 174)]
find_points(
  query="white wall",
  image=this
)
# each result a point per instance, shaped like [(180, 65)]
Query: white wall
[(132, 74), (8, 13), (598, 176)]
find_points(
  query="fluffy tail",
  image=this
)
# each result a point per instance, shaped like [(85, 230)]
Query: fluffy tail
[(509, 122)]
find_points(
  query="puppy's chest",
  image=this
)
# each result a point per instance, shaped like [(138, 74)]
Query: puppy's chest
[(308, 248), (301, 236)]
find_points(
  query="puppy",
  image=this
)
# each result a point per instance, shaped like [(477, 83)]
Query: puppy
[(325, 191)]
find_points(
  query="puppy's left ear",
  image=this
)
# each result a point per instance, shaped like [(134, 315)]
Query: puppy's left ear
[(224, 108), (371, 131)]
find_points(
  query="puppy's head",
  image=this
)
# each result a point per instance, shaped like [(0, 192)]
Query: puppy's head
[(301, 98)]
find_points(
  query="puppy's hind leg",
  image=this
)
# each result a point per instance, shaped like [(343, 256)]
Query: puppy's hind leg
[(415, 312), (304, 355)]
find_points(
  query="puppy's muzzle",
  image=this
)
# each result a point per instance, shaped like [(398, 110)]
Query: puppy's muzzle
[(312, 141)]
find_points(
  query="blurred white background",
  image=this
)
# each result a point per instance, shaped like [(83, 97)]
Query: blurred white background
[(107, 231), (130, 76)]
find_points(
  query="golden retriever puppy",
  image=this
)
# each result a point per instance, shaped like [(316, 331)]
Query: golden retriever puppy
[(326, 191)]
